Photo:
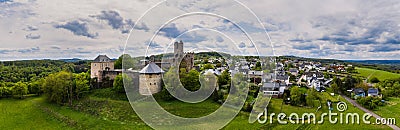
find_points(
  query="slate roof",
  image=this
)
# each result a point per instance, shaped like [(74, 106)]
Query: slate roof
[(372, 91), (293, 70), (358, 90), (102, 58), (282, 77), (151, 68), (318, 74)]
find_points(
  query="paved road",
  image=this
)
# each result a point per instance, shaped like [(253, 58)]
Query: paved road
[(367, 111), (299, 81)]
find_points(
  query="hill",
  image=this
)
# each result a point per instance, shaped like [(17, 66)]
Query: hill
[(381, 75)]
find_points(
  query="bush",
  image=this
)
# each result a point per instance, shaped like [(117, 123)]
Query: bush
[(370, 102), (374, 80), (295, 95), (311, 97), (64, 87), (6, 91), (36, 87), (20, 89), (164, 95)]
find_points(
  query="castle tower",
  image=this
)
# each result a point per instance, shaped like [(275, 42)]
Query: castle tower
[(178, 49), (182, 57), (150, 79)]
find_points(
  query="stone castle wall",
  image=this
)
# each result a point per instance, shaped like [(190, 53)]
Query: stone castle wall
[(149, 84), (96, 67)]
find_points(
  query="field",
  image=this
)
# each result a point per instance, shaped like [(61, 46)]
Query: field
[(24, 114), (391, 110), (381, 75), (95, 112)]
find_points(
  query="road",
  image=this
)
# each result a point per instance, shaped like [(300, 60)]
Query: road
[(368, 111), (299, 81)]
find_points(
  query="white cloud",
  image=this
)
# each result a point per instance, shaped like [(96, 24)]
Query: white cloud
[(358, 29)]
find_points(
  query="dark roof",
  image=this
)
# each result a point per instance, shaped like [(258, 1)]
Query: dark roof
[(293, 70), (317, 74), (102, 58), (151, 68), (358, 90), (372, 90), (282, 77)]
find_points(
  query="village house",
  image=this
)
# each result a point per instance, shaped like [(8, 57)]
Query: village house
[(358, 92), (294, 71), (373, 92)]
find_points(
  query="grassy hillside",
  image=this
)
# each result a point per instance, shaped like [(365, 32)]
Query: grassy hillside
[(381, 75), (26, 114), (391, 110), (96, 112)]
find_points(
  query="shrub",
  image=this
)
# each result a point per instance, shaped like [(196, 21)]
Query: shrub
[(370, 102), (20, 89), (374, 80), (64, 87)]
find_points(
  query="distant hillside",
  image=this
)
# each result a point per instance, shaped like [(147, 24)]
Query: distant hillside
[(380, 74), (323, 61), (381, 62)]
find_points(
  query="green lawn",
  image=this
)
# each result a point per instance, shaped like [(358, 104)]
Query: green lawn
[(25, 114), (102, 113), (288, 109), (381, 75), (391, 110)]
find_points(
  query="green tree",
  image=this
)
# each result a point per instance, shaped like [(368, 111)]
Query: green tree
[(191, 80), (183, 64), (224, 79), (81, 84), (35, 87), (295, 95), (68, 67), (20, 89), (58, 87), (2, 88), (171, 82), (126, 60), (207, 66), (118, 85), (374, 80), (335, 88), (5, 91), (350, 69), (349, 83), (258, 66), (311, 97)]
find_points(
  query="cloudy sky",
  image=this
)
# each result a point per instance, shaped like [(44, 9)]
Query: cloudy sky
[(339, 29)]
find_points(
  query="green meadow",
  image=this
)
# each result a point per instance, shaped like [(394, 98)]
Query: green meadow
[(391, 110), (381, 75), (96, 112)]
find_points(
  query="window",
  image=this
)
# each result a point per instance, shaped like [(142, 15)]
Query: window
[(155, 83), (150, 83)]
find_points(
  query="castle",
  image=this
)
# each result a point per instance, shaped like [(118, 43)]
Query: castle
[(184, 60), (147, 79), (101, 63), (178, 59)]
